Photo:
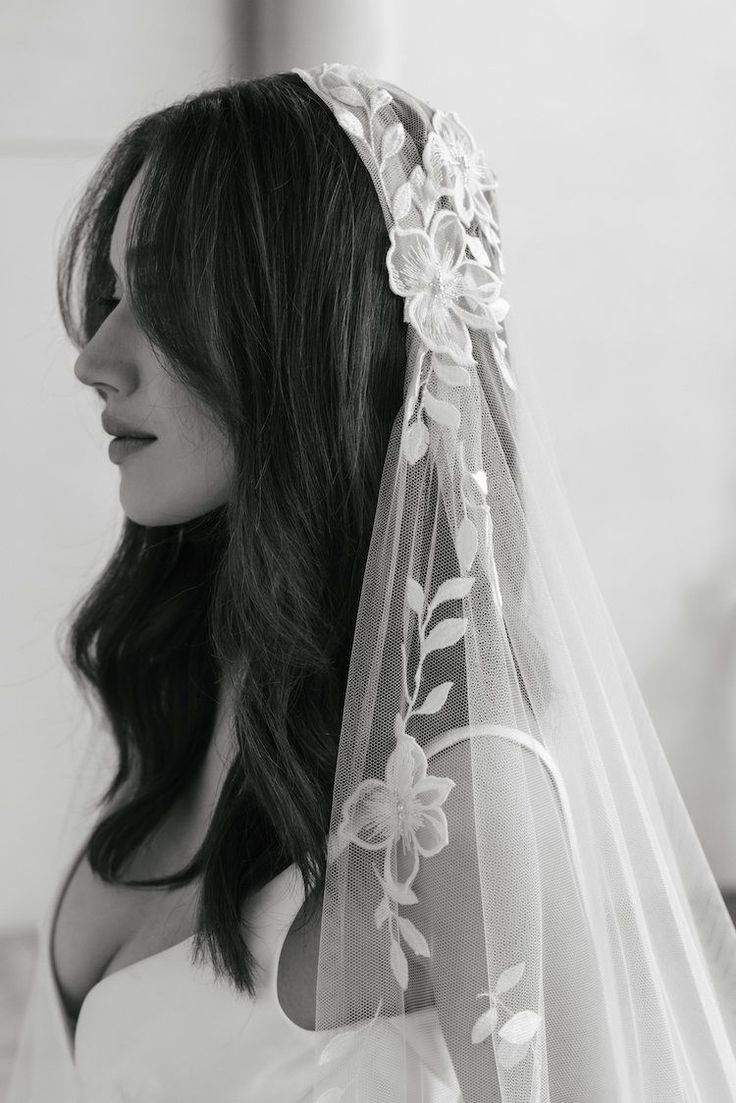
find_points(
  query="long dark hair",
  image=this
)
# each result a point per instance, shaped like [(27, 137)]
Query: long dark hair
[(260, 275), (257, 268)]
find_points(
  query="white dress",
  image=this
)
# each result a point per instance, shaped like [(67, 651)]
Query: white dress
[(163, 1030)]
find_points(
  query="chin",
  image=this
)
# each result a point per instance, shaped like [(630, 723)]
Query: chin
[(154, 513)]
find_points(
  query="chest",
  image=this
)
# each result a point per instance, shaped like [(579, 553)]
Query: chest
[(101, 928)]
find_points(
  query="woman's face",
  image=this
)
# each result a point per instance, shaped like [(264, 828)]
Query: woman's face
[(187, 470)]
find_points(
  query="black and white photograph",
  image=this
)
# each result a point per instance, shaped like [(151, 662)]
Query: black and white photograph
[(368, 564)]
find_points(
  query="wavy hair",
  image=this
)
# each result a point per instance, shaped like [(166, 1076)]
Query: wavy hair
[(257, 268)]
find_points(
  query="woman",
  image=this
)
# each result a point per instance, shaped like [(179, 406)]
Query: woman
[(290, 288)]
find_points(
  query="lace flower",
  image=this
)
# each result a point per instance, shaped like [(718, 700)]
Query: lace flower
[(444, 292), (457, 167), (405, 807)]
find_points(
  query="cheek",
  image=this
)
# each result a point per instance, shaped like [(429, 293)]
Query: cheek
[(202, 463), (184, 479), (218, 467), (193, 437), (192, 470)]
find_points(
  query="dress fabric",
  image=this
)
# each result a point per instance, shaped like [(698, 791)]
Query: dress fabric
[(164, 1030)]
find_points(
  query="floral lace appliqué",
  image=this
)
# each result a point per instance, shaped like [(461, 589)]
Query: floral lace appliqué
[(405, 808), (458, 168), (444, 292), (443, 270)]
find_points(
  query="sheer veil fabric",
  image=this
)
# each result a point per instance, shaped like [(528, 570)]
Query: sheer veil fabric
[(507, 842), (517, 906)]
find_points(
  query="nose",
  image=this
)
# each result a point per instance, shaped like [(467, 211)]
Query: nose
[(81, 370), (85, 371)]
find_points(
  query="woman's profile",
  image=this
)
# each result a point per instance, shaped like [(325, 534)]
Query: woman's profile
[(387, 819)]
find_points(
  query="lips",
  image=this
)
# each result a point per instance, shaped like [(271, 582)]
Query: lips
[(122, 430), (122, 447)]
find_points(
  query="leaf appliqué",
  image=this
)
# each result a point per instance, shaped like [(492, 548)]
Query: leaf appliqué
[(413, 936), (399, 965), (517, 1033)]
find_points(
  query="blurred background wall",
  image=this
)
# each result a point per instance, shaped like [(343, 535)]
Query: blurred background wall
[(610, 126)]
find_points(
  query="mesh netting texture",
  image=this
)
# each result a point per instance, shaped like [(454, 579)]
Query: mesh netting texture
[(517, 905)]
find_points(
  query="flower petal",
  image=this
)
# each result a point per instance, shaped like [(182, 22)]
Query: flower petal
[(406, 766), (483, 208), (479, 281), (474, 314), (432, 790), (410, 261), (440, 327), (453, 132), (432, 834), (464, 200), (500, 309), (448, 238), (369, 815), (436, 161)]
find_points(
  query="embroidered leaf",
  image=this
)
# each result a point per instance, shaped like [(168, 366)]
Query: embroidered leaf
[(351, 124), (466, 543), (453, 589), (476, 248), (338, 1047), (342, 1044), (445, 413), (480, 478), (485, 1024), (399, 965), (474, 487), (413, 936), (398, 891), (435, 699), (416, 439), (347, 93), (502, 365), (415, 596), (510, 978), (401, 203), (422, 193), (496, 582), (454, 375), (379, 98), (445, 634), (393, 140), (520, 1028), (336, 843), (382, 913), (509, 1055)]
